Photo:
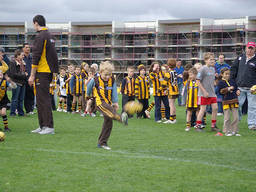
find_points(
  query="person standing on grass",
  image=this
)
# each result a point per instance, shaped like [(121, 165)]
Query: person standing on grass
[(29, 91), (44, 64), (105, 90), (19, 75), (205, 81), (228, 89), (243, 71), (179, 70)]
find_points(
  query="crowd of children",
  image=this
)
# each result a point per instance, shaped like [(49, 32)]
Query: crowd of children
[(200, 86)]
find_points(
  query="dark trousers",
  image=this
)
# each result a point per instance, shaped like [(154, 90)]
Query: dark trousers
[(69, 102), (109, 113), (158, 100), (43, 99), (53, 102), (29, 98), (17, 100), (144, 102)]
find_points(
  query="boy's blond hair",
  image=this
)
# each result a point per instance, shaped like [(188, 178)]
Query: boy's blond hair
[(106, 66), (208, 55)]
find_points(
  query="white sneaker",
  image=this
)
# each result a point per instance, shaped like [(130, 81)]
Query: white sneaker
[(159, 121), (37, 130), (174, 121), (236, 134), (219, 114), (59, 109), (187, 129), (93, 115), (101, 114), (229, 134), (170, 121), (147, 114), (65, 111), (83, 114), (31, 113), (46, 130), (105, 147), (164, 119)]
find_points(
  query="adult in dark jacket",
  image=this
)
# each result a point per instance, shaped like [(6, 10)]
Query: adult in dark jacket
[(29, 93), (18, 74), (243, 71), (44, 64)]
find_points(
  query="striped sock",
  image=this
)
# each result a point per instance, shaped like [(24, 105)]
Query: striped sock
[(188, 124), (73, 107), (172, 117), (60, 104), (163, 112), (79, 107), (151, 106), (5, 120), (65, 105)]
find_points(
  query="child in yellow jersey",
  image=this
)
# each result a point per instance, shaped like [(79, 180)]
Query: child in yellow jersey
[(127, 88), (62, 93), (142, 90), (173, 89), (159, 91), (192, 98), (70, 73), (105, 90), (84, 73), (4, 99), (77, 87)]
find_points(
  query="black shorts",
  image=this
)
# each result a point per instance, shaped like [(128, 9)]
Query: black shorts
[(62, 96), (4, 102), (78, 94), (173, 96)]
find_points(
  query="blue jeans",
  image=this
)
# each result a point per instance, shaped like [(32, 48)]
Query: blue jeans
[(158, 100), (180, 87), (251, 105), (17, 100), (220, 107)]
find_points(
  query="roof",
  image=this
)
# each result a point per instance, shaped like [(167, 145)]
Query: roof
[(92, 23), (179, 21), (12, 23)]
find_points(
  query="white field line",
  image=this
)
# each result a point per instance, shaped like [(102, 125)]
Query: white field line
[(126, 154)]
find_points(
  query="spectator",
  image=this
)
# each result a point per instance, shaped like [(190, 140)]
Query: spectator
[(243, 71), (179, 70), (19, 75)]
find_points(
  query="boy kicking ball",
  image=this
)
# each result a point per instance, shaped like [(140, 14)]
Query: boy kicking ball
[(105, 91)]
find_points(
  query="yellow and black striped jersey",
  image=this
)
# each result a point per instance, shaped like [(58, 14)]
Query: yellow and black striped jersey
[(3, 88), (171, 78), (53, 85), (159, 83), (128, 86), (103, 90), (142, 87), (68, 90), (192, 94)]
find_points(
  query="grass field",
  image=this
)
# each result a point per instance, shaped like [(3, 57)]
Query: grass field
[(145, 156)]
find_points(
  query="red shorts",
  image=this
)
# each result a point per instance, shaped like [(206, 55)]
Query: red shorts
[(207, 101)]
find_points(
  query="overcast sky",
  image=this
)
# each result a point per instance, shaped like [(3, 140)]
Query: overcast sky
[(124, 10)]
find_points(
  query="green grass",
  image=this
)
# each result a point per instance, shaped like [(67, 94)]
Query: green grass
[(145, 156)]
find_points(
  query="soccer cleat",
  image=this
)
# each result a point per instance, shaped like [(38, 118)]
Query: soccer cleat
[(124, 118), (36, 130), (47, 131)]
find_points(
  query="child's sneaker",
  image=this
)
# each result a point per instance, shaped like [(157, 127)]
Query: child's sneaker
[(124, 118), (199, 128), (92, 115), (147, 114), (228, 134), (159, 121), (59, 109), (187, 129), (83, 114), (77, 111), (236, 134), (65, 111)]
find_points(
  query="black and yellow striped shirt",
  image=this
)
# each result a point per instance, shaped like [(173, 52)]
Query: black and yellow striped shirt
[(3, 88), (103, 90), (159, 83), (128, 86), (142, 87), (77, 84), (171, 77), (68, 90), (53, 85), (192, 94)]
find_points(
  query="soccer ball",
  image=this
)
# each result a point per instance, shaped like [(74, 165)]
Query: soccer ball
[(133, 107), (2, 136), (253, 89)]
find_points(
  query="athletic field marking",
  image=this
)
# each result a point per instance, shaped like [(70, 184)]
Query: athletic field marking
[(113, 153)]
